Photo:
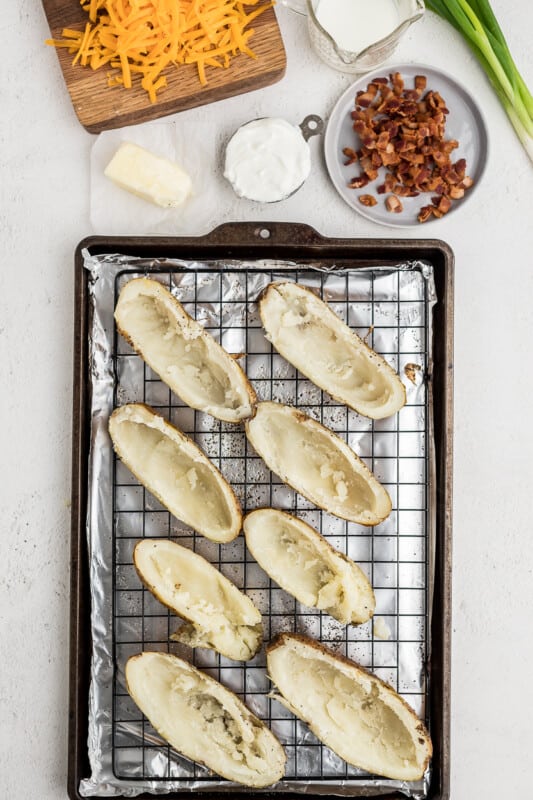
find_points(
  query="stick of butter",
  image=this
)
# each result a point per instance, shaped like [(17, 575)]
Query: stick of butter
[(151, 177)]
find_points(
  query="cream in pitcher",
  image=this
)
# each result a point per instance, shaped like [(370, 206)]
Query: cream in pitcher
[(355, 24), (356, 35)]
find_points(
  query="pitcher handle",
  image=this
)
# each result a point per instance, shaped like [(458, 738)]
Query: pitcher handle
[(300, 6)]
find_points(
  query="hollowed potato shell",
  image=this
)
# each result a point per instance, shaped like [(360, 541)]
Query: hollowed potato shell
[(203, 720), (311, 336), (303, 563), (181, 352), (176, 471), (219, 615), (317, 463), (353, 712)]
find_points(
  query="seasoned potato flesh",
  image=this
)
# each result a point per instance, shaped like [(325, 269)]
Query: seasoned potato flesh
[(317, 463), (359, 717), (315, 340), (221, 617), (203, 720), (176, 471), (303, 563), (181, 352)]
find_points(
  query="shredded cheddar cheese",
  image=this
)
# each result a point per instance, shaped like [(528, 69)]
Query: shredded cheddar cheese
[(141, 38)]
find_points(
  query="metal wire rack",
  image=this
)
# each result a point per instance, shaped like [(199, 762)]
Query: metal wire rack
[(393, 312)]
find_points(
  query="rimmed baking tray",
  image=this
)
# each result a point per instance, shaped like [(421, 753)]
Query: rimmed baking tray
[(299, 244)]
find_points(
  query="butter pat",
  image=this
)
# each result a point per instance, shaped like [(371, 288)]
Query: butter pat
[(151, 177)]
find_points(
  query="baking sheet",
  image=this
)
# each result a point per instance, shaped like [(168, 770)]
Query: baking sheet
[(127, 757)]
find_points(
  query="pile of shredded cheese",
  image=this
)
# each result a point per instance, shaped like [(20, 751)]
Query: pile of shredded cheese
[(144, 37)]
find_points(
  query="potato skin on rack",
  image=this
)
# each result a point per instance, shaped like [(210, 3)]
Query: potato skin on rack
[(203, 720), (360, 717), (317, 463), (218, 615), (306, 332), (171, 466), (304, 563), (182, 352)]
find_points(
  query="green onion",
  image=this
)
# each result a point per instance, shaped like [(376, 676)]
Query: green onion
[(476, 21)]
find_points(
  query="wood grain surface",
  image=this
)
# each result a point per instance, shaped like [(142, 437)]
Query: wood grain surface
[(100, 107)]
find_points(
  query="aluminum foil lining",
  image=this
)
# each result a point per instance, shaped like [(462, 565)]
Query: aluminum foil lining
[(392, 307)]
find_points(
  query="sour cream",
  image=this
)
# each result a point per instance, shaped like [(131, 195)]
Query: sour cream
[(356, 24), (267, 160)]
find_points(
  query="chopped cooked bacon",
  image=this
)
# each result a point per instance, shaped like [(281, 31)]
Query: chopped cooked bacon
[(359, 182), (456, 192), (404, 191), (394, 204), (364, 99), (442, 203), (397, 83), (351, 155), (367, 200), (424, 213), (403, 129)]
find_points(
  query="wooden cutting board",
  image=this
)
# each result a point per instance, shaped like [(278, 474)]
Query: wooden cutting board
[(100, 107)]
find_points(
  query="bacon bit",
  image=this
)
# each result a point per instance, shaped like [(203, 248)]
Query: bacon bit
[(351, 155), (392, 203), (367, 200), (460, 167), (404, 191), (358, 182), (364, 99), (424, 213), (404, 131), (389, 181), (442, 203), (397, 83), (456, 192), (390, 159)]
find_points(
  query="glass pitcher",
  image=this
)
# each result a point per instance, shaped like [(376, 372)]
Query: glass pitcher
[(371, 56)]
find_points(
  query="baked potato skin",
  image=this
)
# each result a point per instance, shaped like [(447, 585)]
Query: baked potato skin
[(323, 551), (358, 345), (312, 428), (147, 412), (232, 651), (184, 320), (277, 752), (419, 729)]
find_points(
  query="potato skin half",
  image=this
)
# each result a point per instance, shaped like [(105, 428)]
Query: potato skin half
[(367, 517), (277, 752), (184, 320), (356, 343), (173, 433), (283, 639)]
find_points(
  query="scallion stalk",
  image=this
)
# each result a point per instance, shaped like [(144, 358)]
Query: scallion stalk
[(476, 21)]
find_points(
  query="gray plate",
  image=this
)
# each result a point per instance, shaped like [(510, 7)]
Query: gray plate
[(464, 123)]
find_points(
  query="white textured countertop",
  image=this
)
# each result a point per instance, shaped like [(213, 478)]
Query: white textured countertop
[(44, 212)]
